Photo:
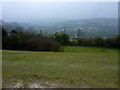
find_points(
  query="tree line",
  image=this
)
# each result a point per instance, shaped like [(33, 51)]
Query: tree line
[(28, 41), (92, 42), (18, 40), (97, 42)]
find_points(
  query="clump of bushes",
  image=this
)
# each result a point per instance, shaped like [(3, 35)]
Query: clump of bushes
[(61, 38), (100, 42), (28, 41), (73, 43), (42, 44)]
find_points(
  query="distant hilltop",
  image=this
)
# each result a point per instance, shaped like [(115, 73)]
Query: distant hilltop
[(104, 27)]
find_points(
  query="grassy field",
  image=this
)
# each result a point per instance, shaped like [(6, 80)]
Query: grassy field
[(83, 67)]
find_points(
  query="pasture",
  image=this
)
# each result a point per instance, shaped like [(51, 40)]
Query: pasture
[(76, 67)]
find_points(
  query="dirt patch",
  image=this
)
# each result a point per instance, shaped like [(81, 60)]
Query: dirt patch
[(36, 85), (51, 84), (18, 84), (42, 85), (35, 82)]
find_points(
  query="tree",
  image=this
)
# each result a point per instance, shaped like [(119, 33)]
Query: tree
[(65, 39), (99, 42), (13, 42), (118, 41), (4, 37), (4, 33), (13, 32), (62, 38)]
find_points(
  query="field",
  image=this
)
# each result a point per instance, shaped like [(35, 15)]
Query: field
[(83, 67)]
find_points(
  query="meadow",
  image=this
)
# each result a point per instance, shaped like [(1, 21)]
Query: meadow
[(75, 67)]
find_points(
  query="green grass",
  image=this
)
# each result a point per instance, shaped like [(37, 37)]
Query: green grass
[(88, 49), (84, 67)]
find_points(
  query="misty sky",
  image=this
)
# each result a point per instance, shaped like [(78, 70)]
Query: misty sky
[(23, 11)]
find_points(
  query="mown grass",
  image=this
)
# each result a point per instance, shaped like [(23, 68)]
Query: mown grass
[(75, 67)]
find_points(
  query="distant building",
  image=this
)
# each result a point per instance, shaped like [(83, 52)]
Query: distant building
[(64, 31), (79, 34)]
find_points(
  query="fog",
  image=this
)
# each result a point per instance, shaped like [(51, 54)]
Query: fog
[(57, 11)]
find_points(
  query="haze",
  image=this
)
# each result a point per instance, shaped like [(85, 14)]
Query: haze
[(29, 11)]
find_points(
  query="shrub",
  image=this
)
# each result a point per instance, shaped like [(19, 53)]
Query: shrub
[(4, 37), (99, 42), (61, 38), (73, 43), (42, 44), (29, 41), (13, 42)]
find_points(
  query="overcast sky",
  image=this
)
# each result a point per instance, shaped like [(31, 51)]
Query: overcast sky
[(23, 11)]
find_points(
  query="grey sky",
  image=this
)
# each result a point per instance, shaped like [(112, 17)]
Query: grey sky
[(21, 11)]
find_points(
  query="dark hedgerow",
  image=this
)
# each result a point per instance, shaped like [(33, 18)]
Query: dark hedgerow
[(42, 44), (29, 41), (32, 42), (100, 42)]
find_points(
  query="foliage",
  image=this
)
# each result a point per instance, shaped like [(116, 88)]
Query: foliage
[(42, 44), (62, 38), (13, 32), (100, 42), (28, 41), (4, 36), (4, 33)]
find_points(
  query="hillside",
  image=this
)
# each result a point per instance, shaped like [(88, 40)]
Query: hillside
[(104, 27), (77, 67)]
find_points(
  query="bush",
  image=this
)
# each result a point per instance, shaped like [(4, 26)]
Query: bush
[(42, 44), (13, 42), (61, 38), (29, 41), (4, 37), (100, 42), (118, 41), (73, 43)]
